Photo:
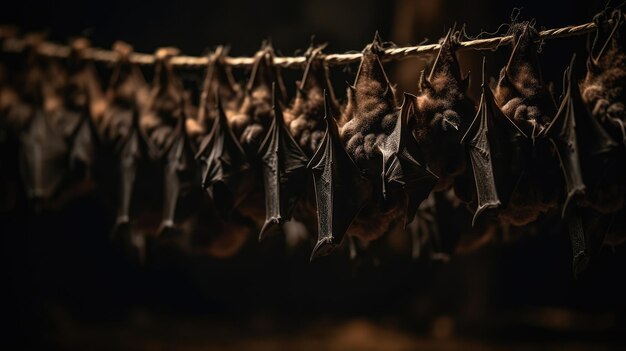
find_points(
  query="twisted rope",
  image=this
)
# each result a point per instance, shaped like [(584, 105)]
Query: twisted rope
[(61, 51)]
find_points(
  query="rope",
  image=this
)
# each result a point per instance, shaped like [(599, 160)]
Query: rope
[(50, 49)]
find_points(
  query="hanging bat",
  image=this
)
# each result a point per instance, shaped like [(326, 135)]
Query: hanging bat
[(121, 132), (525, 100), (43, 160), (369, 117), (404, 171), (164, 103), (442, 112), (587, 153), (490, 142), (226, 173), (303, 118), (604, 95), (284, 171), (43, 144), (340, 189), (180, 177), (603, 86), (253, 120), (218, 80), (583, 146)]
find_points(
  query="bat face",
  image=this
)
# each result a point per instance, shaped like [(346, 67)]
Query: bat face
[(442, 112), (304, 118)]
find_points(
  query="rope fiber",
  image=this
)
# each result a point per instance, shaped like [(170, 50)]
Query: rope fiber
[(50, 49)]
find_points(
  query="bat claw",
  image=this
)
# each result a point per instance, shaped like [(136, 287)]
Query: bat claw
[(324, 247), (483, 208), (167, 230), (270, 226)]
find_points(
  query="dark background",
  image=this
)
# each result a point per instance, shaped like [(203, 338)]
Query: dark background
[(68, 287)]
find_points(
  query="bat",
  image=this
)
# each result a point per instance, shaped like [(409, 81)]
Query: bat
[(442, 111), (525, 100), (585, 151), (133, 151), (164, 103), (304, 117), (603, 95), (341, 191), (43, 157), (581, 142), (284, 171), (218, 79), (125, 140), (369, 117), (254, 117), (227, 175), (180, 176), (489, 142), (403, 164)]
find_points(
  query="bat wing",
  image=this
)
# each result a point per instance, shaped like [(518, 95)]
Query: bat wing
[(226, 173), (562, 134), (489, 140), (478, 147), (403, 163), (340, 189), (43, 157), (179, 176), (84, 144), (131, 150), (284, 171)]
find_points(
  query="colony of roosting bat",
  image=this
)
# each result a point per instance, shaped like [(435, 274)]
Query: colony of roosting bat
[(449, 172)]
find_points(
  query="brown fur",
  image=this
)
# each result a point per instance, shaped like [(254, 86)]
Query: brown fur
[(443, 112), (305, 118), (525, 99), (369, 117)]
